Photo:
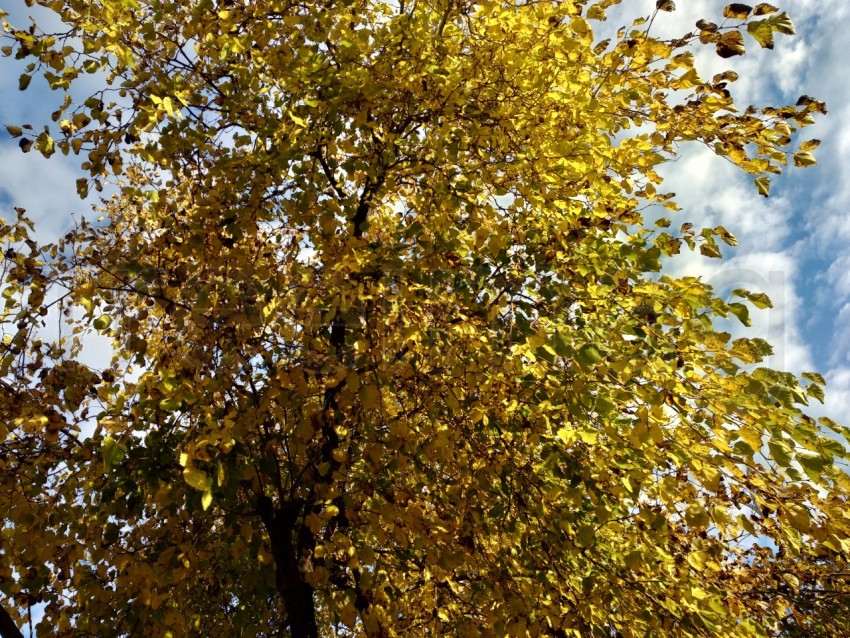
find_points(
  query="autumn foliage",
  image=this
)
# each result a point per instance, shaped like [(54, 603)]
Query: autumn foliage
[(393, 349)]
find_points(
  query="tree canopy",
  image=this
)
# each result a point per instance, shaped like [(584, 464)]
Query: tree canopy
[(393, 349)]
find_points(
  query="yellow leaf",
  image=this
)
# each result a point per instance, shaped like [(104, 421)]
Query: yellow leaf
[(803, 159), (737, 11), (763, 185), (697, 560), (352, 381), (370, 396), (298, 120), (762, 32), (585, 536), (764, 8), (452, 400), (730, 44), (197, 479)]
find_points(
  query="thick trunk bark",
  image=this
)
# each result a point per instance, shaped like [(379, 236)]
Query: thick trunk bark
[(8, 628), (297, 595), (296, 592)]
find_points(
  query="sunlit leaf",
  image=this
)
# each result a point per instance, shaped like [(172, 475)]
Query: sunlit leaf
[(804, 158), (763, 185), (782, 23), (762, 32), (102, 322), (730, 44), (390, 286), (113, 452), (197, 479)]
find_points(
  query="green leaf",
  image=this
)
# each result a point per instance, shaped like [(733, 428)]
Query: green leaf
[(758, 299), (112, 452), (762, 32), (812, 462), (741, 312), (604, 405), (24, 81), (650, 260), (589, 354), (560, 345), (197, 479), (814, 377), (816, 391), (567, 435), (170, 404), (102, 322), (585, 536), (779, 452)]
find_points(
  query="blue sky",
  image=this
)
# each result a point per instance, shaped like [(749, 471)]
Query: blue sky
[(795, 246)]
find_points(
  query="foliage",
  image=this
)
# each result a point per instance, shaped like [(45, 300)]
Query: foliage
[(393, 351)]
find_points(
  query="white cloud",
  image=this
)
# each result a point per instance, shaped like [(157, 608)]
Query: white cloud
[(45, 188), (837, 404), (712, 191)]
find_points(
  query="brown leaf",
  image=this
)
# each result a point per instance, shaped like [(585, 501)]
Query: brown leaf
[(737, 11), (730, 44), (763, 9)]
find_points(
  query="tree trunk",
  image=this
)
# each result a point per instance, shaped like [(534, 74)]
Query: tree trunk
[(8, 628), (296, 592)]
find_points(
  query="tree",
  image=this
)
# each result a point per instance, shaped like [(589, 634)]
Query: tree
[(393, 350)]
